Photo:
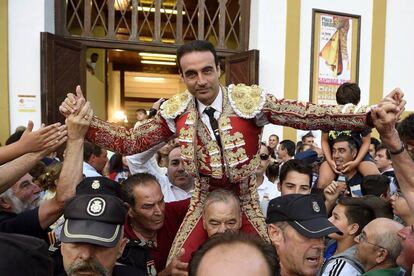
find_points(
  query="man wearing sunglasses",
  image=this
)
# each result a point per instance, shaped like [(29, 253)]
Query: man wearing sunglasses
[(378, 247), (265, 188)]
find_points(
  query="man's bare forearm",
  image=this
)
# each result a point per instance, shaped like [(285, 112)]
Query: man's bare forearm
[(403, 165), (12, 171), (70, 176)]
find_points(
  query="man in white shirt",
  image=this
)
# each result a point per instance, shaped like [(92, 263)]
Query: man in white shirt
[(384, 165), (265, 188), (94, 160), (176, 185)]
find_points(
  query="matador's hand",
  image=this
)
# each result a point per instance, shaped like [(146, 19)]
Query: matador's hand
[(72, 103)]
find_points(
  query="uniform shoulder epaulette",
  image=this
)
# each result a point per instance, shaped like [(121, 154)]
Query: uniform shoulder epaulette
[(176, 105), (246, 101)]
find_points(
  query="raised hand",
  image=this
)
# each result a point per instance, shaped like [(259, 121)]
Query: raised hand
[(72, 103), (78, 124), (43, 138)]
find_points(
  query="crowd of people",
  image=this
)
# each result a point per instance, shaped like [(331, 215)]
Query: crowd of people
[(192, 190)]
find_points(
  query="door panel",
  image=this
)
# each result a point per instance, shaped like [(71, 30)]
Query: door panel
[(63, 67), (243, 68)]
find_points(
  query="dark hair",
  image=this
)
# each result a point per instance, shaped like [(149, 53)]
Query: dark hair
[(346, 138), (89, 149), (139, 179), (289, 146), (274, 135), (381, 206), (230, 238), (375, 142), (348, 93), (406, 128), (141, 110), (196, 46), (309, 134), (299, 166), (387, 152), (115, 163), (376, 185), (272, 172), (14, 137), (357, 211)]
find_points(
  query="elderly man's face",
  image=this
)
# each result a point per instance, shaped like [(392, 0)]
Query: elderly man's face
[(221, 216), (90, 259), (148, 213), (406, 257), (366, 250), (298, 255), (26, 193)]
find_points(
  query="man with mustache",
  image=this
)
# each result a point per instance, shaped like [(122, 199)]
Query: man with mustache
[(92, 235), (297, 225), (151, 225)]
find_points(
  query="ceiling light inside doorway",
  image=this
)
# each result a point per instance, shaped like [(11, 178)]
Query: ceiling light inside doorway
[(156, 62), (149, 55), (149, 79)]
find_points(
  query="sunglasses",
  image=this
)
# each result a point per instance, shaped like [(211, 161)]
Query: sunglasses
[(264, 156)]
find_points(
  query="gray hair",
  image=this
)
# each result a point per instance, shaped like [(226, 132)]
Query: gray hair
[(221, 195)]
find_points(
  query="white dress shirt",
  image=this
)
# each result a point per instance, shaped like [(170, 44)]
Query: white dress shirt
[(89, 171), (267, 191), (146, 162)]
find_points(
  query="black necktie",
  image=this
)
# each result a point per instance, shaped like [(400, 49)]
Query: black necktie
[(213, 123)]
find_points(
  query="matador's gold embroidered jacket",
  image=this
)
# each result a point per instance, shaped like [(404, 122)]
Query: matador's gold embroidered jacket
[(240, 135)]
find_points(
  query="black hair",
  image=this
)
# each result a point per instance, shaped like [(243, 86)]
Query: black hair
[(387, 152), (346, 138), (308, 134), (348, 93), (406, 128), (230, 238), (196, 46), (375, 142), (89, 149), (289, 146), (381, 206), (14, 137), (376, 185), (127, 187), (115, 163), (296, 165), (357, 211)]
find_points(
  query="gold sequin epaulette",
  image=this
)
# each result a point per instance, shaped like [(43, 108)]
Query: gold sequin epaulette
[(176, 105), (246, 101)]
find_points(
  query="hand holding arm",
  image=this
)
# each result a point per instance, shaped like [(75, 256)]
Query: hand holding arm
[(72, 103)]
